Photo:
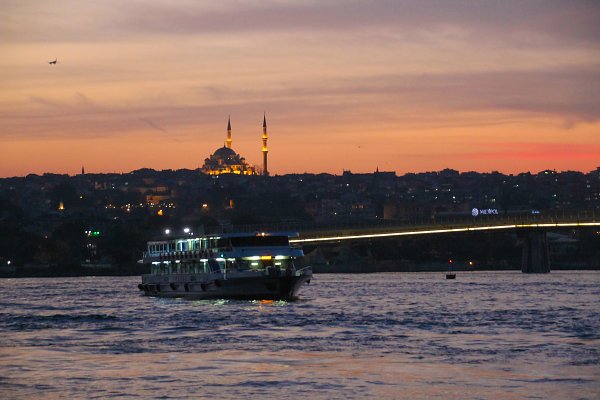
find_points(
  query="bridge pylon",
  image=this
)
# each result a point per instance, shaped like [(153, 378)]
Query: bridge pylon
[(535, 259)]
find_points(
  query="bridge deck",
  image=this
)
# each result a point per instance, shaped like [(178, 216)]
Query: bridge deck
[(334, 234)]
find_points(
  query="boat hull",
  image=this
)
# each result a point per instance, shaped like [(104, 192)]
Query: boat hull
[(217, 286)]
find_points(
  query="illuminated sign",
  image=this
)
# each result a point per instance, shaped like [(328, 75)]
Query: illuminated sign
[(484, 211)]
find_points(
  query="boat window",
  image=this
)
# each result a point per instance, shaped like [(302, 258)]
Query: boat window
[(213, 265), (283, 264), (224, 242), (233, 265), (204, 267), (199, 267), (243, 265)]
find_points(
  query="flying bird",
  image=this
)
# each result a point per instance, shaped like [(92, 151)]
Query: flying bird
[(52, 62)]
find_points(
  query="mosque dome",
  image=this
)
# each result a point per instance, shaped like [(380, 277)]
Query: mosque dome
[(225, 153), (226, 161)]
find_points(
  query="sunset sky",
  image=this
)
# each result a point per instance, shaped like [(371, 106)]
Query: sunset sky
[(405, 86)]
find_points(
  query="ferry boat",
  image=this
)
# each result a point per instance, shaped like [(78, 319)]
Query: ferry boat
[(257, 265)]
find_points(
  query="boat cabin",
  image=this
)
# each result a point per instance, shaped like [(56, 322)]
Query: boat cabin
[(221, 253)]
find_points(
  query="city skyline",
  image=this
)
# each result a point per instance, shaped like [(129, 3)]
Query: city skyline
[(400, 86)]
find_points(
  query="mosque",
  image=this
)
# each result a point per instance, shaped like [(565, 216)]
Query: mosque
[(226, 161)]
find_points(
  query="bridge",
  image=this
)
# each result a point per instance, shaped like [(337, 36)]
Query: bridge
[(532, 229)]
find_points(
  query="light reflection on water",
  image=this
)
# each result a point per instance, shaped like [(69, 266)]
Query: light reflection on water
[(399, 335)]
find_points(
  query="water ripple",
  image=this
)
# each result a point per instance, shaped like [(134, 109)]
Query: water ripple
[(350, 336)]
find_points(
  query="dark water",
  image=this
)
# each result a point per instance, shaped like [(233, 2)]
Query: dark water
[(397, 335)]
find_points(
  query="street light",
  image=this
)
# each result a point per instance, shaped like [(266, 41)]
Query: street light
[(186, 230), (167, 231)]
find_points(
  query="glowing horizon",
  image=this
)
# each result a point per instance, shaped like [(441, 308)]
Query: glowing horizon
[(409, 86)]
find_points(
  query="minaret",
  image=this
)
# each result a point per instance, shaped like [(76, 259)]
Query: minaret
[(228, 145), (264, 146)]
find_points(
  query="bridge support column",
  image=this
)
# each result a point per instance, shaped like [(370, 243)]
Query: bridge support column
[(535, 253)]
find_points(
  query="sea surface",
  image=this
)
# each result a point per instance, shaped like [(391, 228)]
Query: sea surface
[(500, 335)]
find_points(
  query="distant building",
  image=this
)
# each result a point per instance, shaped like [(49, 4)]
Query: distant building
[(156, 199), (226, 161), (407, 210)]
